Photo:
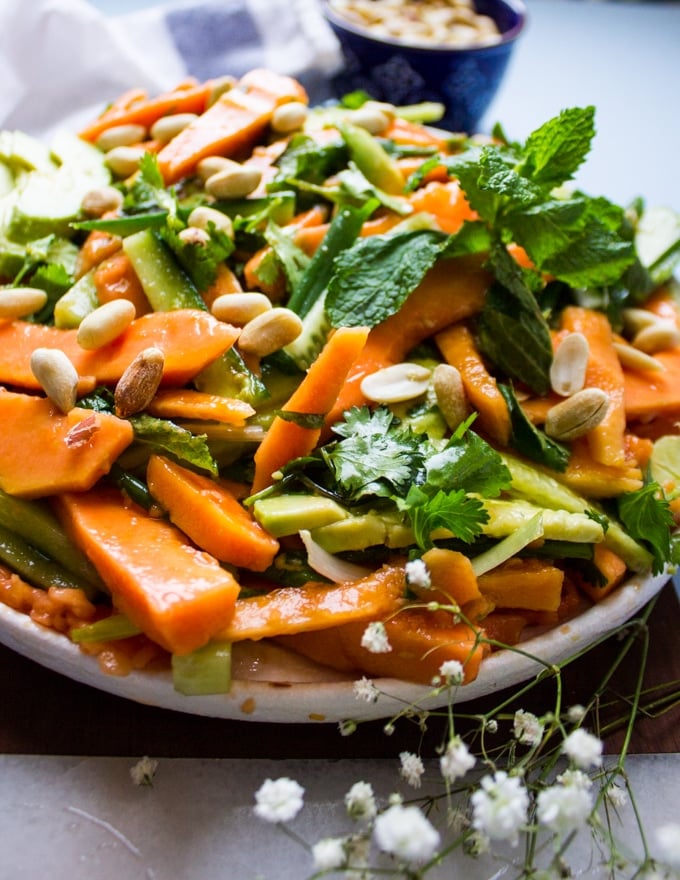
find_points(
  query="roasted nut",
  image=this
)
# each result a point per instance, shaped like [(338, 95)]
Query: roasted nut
[(659, 336), (635, 320), (138, 384), (269, 332), (18, 302), (568, 369), (124, 161), (399, 382), (211, 165), (220, 86), (100, 201), (121, 136), (203, 216), (636, 359), (57, 377), (168, 127), (105, 324), (577, 415), (289, 117), (194, 235), (371, 117), (240, 308), (234, 181), (450, 393)]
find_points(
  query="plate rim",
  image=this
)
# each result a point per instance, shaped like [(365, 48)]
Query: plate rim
[(257, 700)]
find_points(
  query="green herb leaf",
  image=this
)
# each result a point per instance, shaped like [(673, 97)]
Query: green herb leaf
[(647, 516), (468, 463), (528, 440), (554, 152), (374, 277), (164, 435), (453, 511), (376, 456)]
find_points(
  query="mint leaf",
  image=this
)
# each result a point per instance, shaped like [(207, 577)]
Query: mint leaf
[(528, 440), (513, 333), (167, 437), (554, 152), (374, 277), (647, 516), (453, 511)]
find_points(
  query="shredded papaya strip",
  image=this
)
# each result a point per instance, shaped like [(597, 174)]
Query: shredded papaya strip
[(316, 394)]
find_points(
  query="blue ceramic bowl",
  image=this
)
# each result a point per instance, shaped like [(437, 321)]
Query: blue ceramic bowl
[(465, 80)]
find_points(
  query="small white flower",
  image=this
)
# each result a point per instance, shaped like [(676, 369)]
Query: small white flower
[(404, 832), (279, 800), (575, 778), (584, 749), (395, 799), (365, 690), (329, 854), (616, 795), (563, 808), (452, 672), (668, 839), (347, 728), (576, 713), (499, 806), (418, 574), (456, 760), (527, 728), (412, 768), (375, 638), (477, 844), (491, 725), (360, 801), (143, 772)]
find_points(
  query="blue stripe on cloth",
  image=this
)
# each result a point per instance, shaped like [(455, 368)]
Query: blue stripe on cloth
[(214, 40)]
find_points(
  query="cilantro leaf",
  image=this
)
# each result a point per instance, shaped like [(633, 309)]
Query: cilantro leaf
[(453, 511), (376, 456), (647, 516), (199, 259), (374, 277), (468, 463)]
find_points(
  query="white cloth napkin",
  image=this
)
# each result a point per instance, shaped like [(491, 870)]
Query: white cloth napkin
[(61, 61)]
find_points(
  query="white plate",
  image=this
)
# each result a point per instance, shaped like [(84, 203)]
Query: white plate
[(276, 686)]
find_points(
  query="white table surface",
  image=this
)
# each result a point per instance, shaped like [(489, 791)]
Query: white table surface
[(70, 818)]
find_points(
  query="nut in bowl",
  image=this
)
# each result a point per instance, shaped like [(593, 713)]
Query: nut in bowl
[(407, 52)]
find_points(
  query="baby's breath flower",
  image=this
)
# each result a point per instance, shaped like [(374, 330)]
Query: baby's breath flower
[(575, 778), (527, 728), (491, 725), (668, 839), (360, 801), (477, 844), (576, 713), (456, 760), (452, 671), (279, 800), (347, 727), (563, 808), (365, 690), (412, 768), (404, 832), (388, 729), (375, 638), (143, 772), (417, 573), (395, 799), (616, 795), (499, 806), (583, 748), (329, 854)]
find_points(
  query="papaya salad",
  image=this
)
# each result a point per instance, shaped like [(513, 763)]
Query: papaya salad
[(330, 378)]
